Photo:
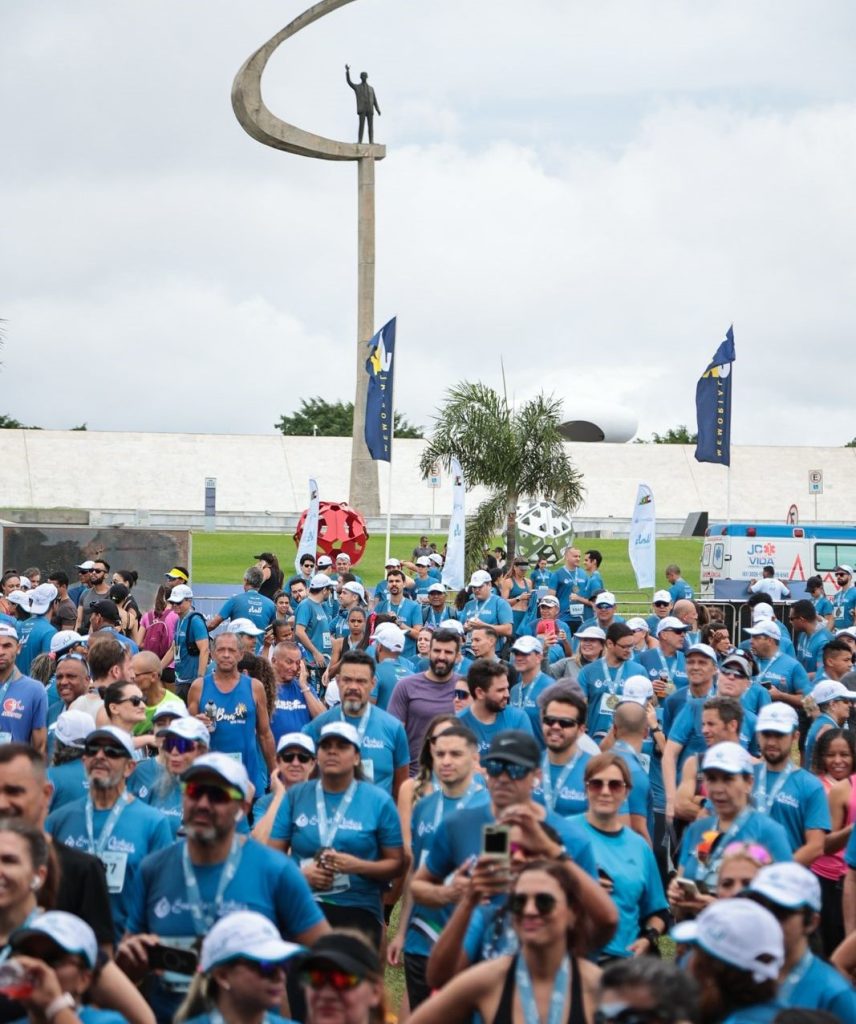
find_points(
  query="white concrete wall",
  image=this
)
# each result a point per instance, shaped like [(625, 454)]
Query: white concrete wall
[(166, 472)]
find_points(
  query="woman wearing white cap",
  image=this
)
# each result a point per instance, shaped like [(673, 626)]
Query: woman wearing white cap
[(182, 741), (242, 977), (344, 833), (295, 763)]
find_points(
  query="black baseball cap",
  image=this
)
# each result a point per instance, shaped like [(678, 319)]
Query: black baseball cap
[(516, 747), (266, 556), (106, 609), (343, 951)]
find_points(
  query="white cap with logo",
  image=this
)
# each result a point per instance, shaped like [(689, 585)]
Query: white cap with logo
[(389, 636), (244, 935), (737, 932), (788, 885), (777, 717)]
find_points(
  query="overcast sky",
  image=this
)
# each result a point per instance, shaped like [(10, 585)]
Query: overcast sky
[(593, 194)]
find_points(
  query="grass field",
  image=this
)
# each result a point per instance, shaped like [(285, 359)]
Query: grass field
[(223, 558)]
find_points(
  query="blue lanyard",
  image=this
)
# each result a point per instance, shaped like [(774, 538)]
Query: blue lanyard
[(364, 721), (116, 810), (527, 996), (612, 684), (712, 867), (551, 797), (203, 920), (786, 988), (760, 799), (473, 788), (764, 672), (327, 830)]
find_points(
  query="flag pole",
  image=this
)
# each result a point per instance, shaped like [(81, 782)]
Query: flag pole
[(389, 483)]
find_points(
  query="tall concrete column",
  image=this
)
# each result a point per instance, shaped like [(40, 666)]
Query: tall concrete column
[(364, 492)]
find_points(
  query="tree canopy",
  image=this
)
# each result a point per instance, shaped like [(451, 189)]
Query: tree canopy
[(514, 452), (674, 435), (332, 419)]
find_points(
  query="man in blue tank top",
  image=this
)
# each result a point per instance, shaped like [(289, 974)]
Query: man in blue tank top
[(235, 706)]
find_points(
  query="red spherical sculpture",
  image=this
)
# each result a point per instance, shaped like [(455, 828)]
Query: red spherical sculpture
[(340, 529)]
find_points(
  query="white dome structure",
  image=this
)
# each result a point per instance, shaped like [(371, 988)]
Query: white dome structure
[(594, 421)]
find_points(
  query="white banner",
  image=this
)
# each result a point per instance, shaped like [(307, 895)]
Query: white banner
[(453, 568), (642, 542), (309, 537)]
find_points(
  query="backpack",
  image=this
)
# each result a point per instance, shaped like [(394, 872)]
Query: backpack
[(157, 638), (192, 645)]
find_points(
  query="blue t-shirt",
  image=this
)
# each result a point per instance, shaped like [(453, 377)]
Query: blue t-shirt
[(23, 708), (459, 837), (495, 611), (566, 796), (821, 987), (760, 1013), (594, 585), (810, 648), (34, 635), (758, 828), (206, 1018), (69, 782), (656, 664), (189, 628), (567, 584), (139, 831), (800, 804), (252, 605), (639, 800), (125, 641), (409, 614), (686, 730), (290, 712), (637, 890), (509, 718), (680, 590), (236, 722), (602, 687), (369, 824), (843, 603), (526, 697), (316, 620), (755, 697), (384, 743), (387, 674), (786, 645), (822, 605), (783, 672)]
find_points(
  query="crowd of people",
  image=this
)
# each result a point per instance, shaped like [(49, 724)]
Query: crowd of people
[(543, 809)]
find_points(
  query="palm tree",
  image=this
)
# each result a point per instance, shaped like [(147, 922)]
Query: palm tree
[(515, 453)]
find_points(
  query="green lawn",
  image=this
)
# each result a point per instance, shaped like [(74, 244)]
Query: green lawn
[(223, 558)]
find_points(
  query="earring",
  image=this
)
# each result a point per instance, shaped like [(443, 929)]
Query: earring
[(36, 884)]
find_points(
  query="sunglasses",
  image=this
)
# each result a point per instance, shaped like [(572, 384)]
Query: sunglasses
[(215, 794), (563, 723), (292, 756), (731, 674), (515, 772), (545, 903), (461, 695), (178, 745), (114, 753), (613, 785), (136, 701), (662, 604), (339, 981), (263, 968)]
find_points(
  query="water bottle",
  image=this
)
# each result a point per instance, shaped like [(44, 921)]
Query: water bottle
[(210, 710)]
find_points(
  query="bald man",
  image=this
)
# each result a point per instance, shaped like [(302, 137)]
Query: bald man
[(147, 675)]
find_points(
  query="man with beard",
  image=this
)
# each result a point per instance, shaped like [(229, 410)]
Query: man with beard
[(181, 891), (110, 823), (417, 699), (490, 712), (384, 753)]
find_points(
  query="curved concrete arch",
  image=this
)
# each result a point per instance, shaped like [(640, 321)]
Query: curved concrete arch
[(258, 122)]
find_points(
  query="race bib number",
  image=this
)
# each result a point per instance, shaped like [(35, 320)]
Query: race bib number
[(326, 641), (115, 864), (368, 768), (575, 611)]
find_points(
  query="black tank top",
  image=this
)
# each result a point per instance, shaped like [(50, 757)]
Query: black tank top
[(505, 1014)]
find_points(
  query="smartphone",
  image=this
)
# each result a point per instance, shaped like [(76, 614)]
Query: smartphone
[(170, 958), (691, 890), (495, 841)]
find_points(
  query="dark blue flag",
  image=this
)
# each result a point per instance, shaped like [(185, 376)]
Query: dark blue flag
[(713, 406), (380, 367)]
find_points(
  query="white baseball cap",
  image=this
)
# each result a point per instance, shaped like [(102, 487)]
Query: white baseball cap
[(7, 629), (454, 625), (324, 560), (86, 566), (766, 627), (20, 598), (638, 625), (180, 593), (189, 729), (704, 649), (42, 597), (343, 556), (296, 739), (244, 627), (392, 563), (355, 588), (605, 599), (637, 690), (844, 568), (64, 639), (246, 935), (671, 622), (548, 599), (423, 560), (112, 732), (69, 932), (846, 631), (229, 770), (436, 588), (662, 596), (788, 885), (390, 636), (479, 578), (762, 611), (171, 708), (831, 689), (72, 727), (344, 730), (319, 581), (777, 717), (436, 558), (590, 633), (527, 645), (738, 932), (727, 757)]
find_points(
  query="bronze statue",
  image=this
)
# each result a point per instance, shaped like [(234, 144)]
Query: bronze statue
[(366, 102)]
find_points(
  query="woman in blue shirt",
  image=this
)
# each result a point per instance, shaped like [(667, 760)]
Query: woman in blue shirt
[(344, 833)]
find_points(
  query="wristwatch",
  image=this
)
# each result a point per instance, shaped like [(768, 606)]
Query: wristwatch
[(653, 937), (655, 730)]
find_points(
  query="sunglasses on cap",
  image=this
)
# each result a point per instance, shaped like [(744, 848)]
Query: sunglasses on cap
[(515, 772), (340, 981), (216, 794), (178, 745), (545, 903), (114, 753), (289, 756)]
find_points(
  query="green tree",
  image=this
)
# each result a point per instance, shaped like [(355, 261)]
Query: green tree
[(515, 453), (7, 423), (674, 435), (332, 419), (851, 443)]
